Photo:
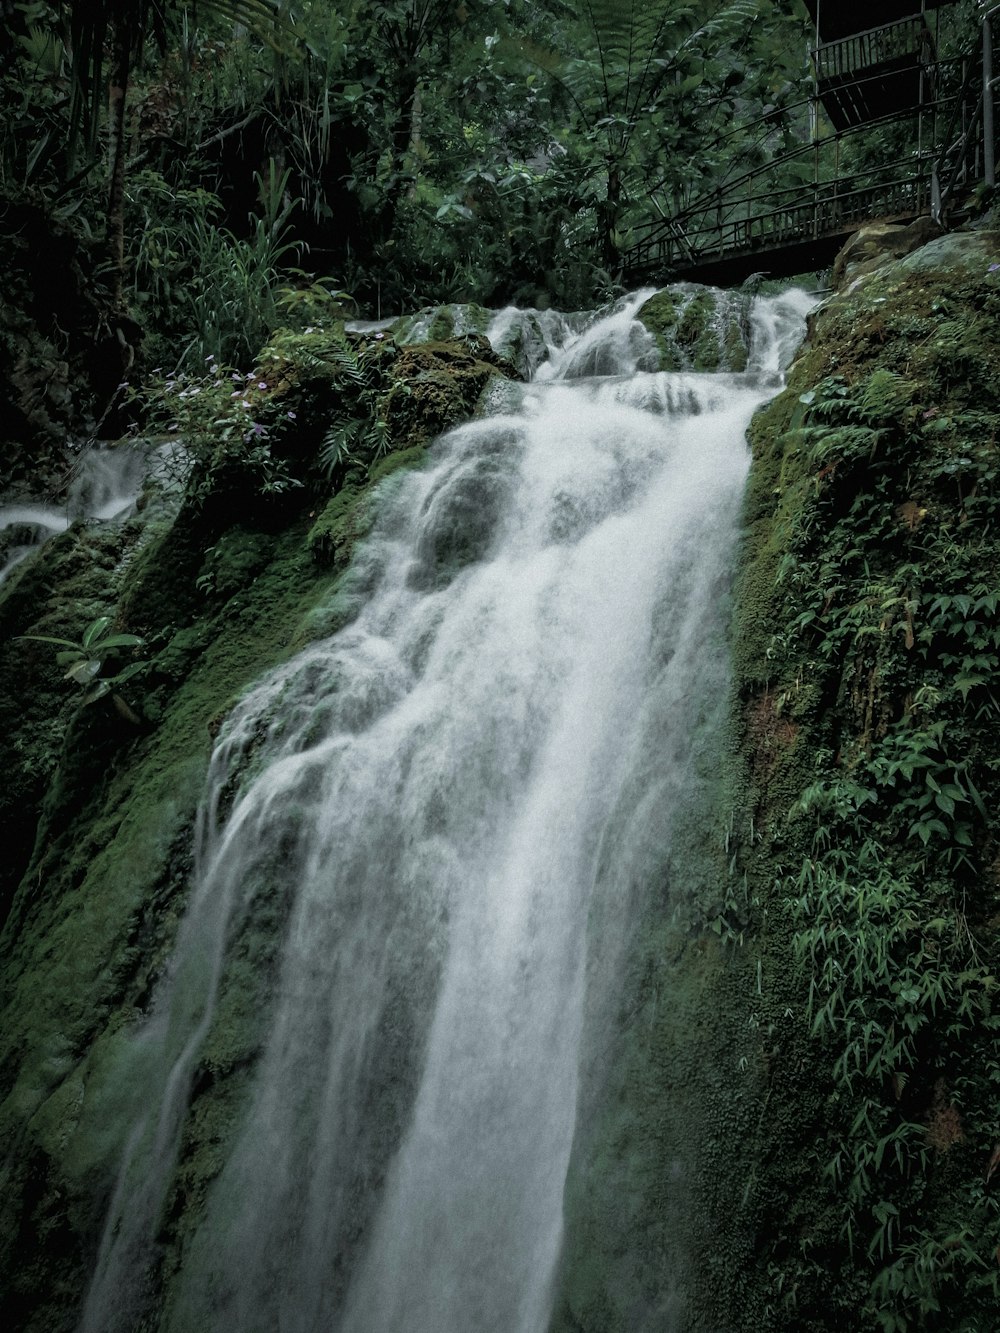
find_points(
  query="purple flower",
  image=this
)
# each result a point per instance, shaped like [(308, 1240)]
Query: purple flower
[(261, 385), (290, 416), (993, 268)]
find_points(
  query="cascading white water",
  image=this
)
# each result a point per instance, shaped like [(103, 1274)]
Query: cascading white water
[(104, 485), (425, 811)]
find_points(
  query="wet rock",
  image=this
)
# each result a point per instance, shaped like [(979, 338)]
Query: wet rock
[(698, 328), (878, 244)]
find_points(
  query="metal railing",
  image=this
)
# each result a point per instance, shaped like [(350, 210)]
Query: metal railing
[(968, 153), (794, 215), (755, 212), (878, 46), (762, 208)]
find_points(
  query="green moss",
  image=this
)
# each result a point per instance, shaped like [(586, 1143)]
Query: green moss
[(441, 323), (697, 328), (109, 807), (853, 536), (737, 1174), (437, 385), (93, 923)]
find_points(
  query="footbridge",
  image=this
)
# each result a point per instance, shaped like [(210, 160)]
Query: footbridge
[(897, 133)]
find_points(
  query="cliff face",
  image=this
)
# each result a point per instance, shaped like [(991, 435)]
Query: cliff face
[(99, 801), (793, 1126), (803, 1130)]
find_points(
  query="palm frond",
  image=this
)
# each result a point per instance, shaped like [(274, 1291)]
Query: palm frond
[(355, 369), (336, 448)]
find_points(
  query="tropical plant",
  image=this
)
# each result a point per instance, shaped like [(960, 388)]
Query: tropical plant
[(649, 86), (84, 660), (226, 422), (107, 39)]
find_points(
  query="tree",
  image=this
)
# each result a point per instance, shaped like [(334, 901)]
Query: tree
[(106, 40), (647, 84)]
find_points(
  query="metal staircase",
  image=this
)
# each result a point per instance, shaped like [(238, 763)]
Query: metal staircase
[(792, 214)]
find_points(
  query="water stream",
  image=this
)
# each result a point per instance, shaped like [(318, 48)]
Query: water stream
[(405, 834), (104, 485)]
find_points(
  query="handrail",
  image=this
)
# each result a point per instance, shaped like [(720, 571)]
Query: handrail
[(703, 202), (827, 214), (843, 135), (864, 50), (975, 70), (750, 213)]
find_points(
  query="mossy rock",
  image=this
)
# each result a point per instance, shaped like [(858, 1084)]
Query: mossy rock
[(438, 385), (697, 328), (441, 324), (93, 922)]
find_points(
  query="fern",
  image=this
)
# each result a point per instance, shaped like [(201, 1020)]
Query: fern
[(643, 44), (358, 372), (336, 449), (381, 439)]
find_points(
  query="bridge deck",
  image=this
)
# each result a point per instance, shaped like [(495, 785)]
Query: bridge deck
[(801, 232)]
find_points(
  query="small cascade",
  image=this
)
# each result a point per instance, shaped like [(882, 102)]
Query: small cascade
[(104, 486), (530, 337), (406, 837)]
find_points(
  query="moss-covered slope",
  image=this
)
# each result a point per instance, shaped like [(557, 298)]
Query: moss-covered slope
[(101, 808), (802, 1133)]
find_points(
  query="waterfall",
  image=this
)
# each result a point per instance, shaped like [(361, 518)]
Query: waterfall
[(104, 485), (407, 832)]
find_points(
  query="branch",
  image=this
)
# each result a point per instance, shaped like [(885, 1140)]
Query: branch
[(233, 129)]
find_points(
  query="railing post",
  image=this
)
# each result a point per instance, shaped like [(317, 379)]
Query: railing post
[(935, 194), (989, 163)]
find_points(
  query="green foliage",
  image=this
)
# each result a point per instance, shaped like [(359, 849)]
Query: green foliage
[(227, 423), (128, 28), (84, 661), (437, 152), (361, 432), (882, 670), (208, 292)]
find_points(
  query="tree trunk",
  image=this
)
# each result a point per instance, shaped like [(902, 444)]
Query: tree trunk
[(406, 92), (115, 222), (416, 125), (610, 254)]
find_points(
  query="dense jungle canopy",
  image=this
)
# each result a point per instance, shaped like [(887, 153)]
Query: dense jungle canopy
[(177, 179)]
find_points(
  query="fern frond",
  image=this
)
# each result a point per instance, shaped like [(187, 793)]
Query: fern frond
[(640, 45), (336, 448), (352, 368)]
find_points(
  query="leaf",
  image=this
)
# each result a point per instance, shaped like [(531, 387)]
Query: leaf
[(46, 638), (118, 641), (127, 672), (95, 629), (84, 671)]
